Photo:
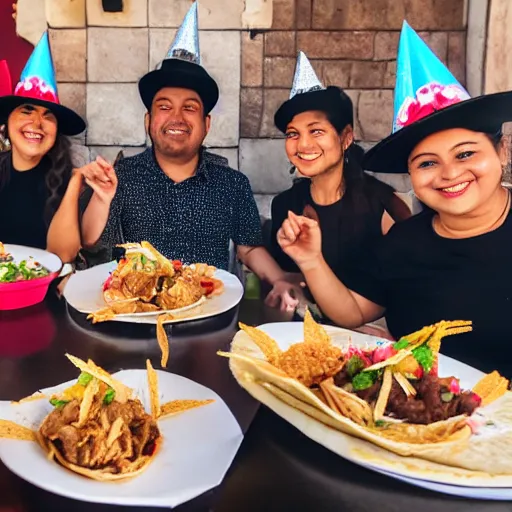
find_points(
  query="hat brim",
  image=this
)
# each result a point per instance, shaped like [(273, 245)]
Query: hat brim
[(325, 100), (68, 121), (484, 114), (183, 74)]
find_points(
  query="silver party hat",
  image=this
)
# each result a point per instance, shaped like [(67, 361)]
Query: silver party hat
[(305, 79), (186, 42)]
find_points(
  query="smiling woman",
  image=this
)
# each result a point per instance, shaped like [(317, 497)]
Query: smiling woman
[(38, 189), (452, 260), (352, 208)]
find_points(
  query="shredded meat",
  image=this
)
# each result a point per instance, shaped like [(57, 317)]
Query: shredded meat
[(88, 446)]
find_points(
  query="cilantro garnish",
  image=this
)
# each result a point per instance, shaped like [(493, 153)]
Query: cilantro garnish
[(109, 396), (364, 380), (424, 355), (355, 365), (84, 378), (401, 344), (58, 403)]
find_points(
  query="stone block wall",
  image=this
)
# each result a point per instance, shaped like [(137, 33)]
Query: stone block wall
[(250, 47), (351, 44)]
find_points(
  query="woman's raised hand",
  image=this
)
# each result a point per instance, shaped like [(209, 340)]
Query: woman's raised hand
[(301, 239), (101, 177)]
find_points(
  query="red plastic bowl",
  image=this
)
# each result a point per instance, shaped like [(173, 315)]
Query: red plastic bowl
[(27, 293)]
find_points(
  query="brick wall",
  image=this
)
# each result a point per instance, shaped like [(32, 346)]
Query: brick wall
[(352, 44)]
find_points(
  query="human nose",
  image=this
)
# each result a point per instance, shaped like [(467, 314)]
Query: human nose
[(450, 171), (304, 143)]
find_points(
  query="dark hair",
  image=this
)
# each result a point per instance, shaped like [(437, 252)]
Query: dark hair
[(360, 190), (57, 177)]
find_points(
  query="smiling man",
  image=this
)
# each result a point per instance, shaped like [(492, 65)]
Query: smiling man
[(187, 202)]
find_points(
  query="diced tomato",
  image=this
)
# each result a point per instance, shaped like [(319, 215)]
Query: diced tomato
[(363, 355), (382, 353), (106, 284), (208, 286), (454, 386), (435, 368), (419, 372), (177, 264)]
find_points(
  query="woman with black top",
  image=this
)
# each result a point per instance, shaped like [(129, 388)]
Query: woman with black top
[(353, 209), (452, 261), (39, 188)]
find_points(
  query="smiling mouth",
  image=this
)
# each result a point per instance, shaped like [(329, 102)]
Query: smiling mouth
[(33, 137), (309, 157), (176, 132), (456, 188)]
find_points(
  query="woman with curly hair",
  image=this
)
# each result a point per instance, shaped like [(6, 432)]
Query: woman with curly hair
[(39, 188)]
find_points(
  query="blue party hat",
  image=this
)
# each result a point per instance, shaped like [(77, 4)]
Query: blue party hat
[(423, 83), (305, 79), (37, 79), (186, 42)]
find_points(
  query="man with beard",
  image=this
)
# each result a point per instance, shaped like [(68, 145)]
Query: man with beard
[(185, 201)]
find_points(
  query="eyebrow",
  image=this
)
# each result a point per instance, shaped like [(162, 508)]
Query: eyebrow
[(290, 127), (454, 147)]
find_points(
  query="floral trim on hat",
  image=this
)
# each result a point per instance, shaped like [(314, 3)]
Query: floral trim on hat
[(36, 88)]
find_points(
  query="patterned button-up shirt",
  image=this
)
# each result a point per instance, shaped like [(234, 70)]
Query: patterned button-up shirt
[(192, 221)]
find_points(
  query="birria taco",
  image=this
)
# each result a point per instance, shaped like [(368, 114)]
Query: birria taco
[(390, 395), (98, 428)]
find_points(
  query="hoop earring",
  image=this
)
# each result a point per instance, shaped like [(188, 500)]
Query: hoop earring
[(292, 170)]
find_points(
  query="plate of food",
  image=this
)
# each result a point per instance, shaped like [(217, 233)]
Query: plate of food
[(400, 408), (142, 285), (25, 275), (132, 438)]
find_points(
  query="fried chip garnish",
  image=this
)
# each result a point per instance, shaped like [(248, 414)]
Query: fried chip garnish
[(30, 398), (314, 332), (161, 337), (385, 390), (491, 387), (102, 315), (164, 263), (91, 391), (123, 392), (347, 404), (177, 406), (266, 344), (11, 430), (404, 383), (154, 398)]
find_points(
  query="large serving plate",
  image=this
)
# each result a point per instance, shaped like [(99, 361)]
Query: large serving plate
[(420, 472), (84, 293), (197, 450)]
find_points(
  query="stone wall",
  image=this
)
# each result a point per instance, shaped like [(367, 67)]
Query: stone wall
[(351, 44), (250, 47)]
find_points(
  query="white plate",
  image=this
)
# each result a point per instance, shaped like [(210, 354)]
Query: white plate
[(197, 450), (84, 293), (418, 472), (20, 252)]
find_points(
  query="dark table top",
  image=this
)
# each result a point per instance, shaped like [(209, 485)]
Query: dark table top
[(276, 469)]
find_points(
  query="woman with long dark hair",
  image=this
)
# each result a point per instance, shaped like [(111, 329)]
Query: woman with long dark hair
[(452, 261), (39, 188), (352, 208)]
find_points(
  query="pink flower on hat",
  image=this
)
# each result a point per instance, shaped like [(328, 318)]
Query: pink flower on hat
[(35, 88), (429, 99)]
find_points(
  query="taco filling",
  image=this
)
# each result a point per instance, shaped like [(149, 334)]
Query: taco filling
[(416, 393)]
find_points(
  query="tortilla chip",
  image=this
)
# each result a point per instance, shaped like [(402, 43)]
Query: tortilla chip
[(115, 431), (122, 392), (161, 337), (164, 263), (491, 387), (91, 391), (31, 398), (154, 398), (404, 383), (177, 406), (314, 332), (385, 390), (11, 430), (265, 343)]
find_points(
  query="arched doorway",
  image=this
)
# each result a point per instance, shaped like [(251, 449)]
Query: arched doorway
[(13, 49)]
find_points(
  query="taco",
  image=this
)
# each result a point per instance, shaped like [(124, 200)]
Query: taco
[(390, 395)]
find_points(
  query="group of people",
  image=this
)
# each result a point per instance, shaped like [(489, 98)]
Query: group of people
[(340, 238)]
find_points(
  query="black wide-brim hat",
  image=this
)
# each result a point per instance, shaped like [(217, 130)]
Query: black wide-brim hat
[(484, 114), (331, 100), (68, 122), (180, 73)]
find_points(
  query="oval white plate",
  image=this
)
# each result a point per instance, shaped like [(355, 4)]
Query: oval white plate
[(192, 459), (84, 293)]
